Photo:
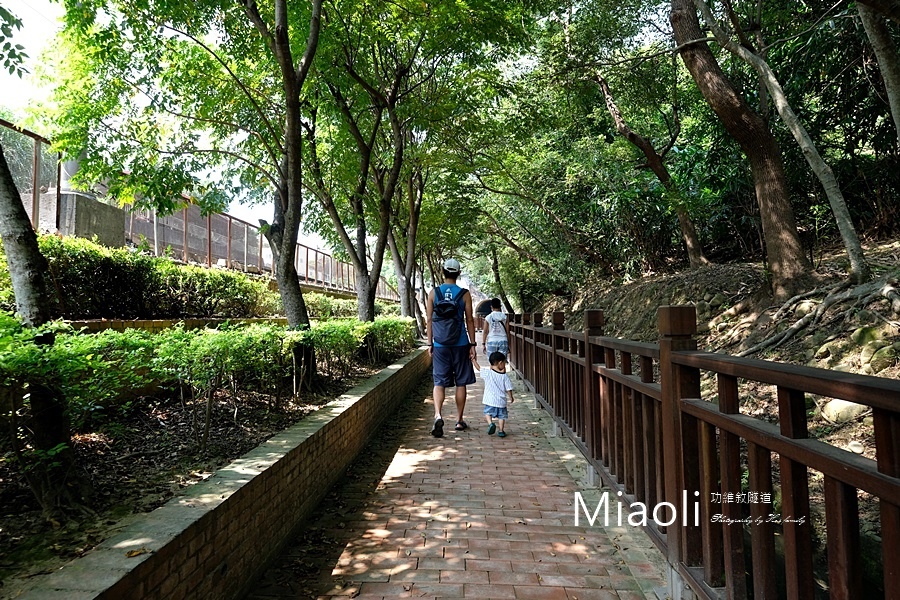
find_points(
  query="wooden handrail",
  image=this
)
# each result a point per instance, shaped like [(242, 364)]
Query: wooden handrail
[(652, 436), (861, 389)]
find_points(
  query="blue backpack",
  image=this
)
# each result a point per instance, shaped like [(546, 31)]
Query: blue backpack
[(446, 324)]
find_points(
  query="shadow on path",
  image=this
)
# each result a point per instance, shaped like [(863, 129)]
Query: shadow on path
[(469, 515)]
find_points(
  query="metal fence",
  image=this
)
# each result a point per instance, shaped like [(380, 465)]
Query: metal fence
[(226, 241), (35, 171), (215, 239)]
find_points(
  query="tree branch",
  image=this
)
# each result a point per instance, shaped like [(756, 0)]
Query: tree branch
[(237, 80)]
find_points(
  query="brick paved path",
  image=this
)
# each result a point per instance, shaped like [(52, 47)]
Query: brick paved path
[(465, 516)]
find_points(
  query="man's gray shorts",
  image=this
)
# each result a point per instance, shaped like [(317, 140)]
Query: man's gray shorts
[(451, 366)]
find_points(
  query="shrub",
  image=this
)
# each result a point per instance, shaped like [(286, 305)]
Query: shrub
[(389, 336), (100, 375), (387, 309), (88, 371), (92, 281), (321, 306), (97, 372), (337, 342)]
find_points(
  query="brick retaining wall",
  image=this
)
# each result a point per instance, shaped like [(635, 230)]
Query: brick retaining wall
[(212, 542)]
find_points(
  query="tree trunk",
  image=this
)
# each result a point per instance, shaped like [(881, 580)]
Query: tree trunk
[(888, 60), (501, 292), (422, 298), (405, 255), (787, 261), (53, 480), (696, 258), (403, 285), (282, 236), (365, 296), (28, 268), (859, 269), (888, 8)]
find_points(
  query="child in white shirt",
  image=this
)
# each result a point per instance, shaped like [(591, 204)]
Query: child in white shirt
[(497, 392)]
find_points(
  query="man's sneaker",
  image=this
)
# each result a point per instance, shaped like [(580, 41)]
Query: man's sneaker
[(438, 429), (492, 428), (501, 434)]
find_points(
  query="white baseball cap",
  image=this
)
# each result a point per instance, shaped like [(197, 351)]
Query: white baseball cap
[(451, 265)]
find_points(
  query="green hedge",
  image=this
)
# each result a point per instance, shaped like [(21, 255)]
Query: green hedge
[(321, 306), (99, 373), (92, 281)]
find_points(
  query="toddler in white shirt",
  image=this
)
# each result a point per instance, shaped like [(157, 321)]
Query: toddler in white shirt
[(497, 392)]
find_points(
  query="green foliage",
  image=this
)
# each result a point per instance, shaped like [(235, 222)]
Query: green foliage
[(99, 374), (87, 371), (12, 55), (497, 110), (93, 281), (249, 357), (336, 342), (390, 336), (322, 306)]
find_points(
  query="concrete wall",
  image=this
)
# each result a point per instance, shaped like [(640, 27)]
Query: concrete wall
[(214, 541), (82, 216), (47, 210)]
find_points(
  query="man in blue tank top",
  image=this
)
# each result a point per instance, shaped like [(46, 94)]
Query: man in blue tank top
[(451, 362)]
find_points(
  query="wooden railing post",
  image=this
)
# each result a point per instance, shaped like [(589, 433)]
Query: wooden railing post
[(208, 240), (593, 326), (228, 243), (677, 326), (538, 366), (558, 320), (515, 355), (607, 413), (246, 244), (259, 256), (527, 352), (887, 448), (798, 551)]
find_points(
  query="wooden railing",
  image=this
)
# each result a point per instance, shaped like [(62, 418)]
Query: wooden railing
[(637, 413)]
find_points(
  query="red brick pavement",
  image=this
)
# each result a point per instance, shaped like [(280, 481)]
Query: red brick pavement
[(469, 516)]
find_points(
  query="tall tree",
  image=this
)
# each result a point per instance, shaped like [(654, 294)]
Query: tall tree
[(589, 40), (888, 60), (54, 481), (388, 65), (656, 161), (28, 268), (215, 91), (403, 238), (786, 259), (859, 268)]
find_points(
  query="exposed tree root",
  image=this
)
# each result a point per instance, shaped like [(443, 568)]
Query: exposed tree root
[(860, 295), (792, 301)]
